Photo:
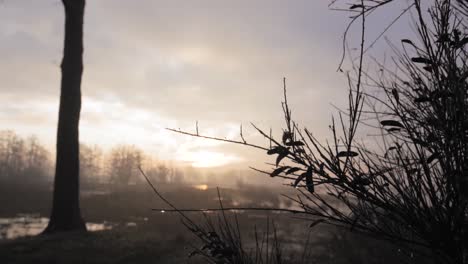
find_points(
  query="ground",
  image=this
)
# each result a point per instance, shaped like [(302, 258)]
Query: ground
[(124, 245), (141, 235)]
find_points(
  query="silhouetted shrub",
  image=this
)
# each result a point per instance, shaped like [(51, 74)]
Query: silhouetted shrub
[(409, 185)]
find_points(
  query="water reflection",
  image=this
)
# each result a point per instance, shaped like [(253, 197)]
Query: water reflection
[(201, 187), (131, 224), (31, 225)]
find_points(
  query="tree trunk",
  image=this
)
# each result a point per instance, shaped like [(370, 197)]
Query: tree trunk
[(66, 215)]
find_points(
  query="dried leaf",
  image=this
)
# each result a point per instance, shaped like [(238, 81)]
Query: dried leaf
[(393, 129), (347, 154), (277, 171), (396, 95), (273, 150), (393, 123), (463, 76), (316, 222), (362, 180), (299, 179), (321, 168), (434, 156), (421, 60), (428, 68), (462, 42), (309, 180), (407, 41), (287, 136), (281, 156), (443, 38), (441, 94), (420, 142), (292, 170), (357, 6), (422, 99), (295, 143), (300, 150)]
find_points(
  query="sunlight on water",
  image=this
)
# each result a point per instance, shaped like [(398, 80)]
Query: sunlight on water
[(31, 225), (131, 224), (201, 187)]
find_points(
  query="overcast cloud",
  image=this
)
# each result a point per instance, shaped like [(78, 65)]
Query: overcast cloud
[(155, 64)]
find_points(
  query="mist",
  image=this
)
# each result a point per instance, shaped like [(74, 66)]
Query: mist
[(238, 132)]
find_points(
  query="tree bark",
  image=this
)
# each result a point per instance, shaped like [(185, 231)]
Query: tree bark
[(66, 215)]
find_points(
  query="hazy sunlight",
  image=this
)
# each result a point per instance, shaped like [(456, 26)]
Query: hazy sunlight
[(201, 187), (203, 159)]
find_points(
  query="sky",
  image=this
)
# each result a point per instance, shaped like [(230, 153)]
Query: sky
[(156, 64)]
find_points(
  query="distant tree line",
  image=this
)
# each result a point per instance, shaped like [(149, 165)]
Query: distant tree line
[(23, 157), (26, 159)]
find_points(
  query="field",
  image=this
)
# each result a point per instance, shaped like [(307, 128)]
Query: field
[(130, 232)]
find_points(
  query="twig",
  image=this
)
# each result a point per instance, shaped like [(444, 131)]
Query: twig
[(217, 139)]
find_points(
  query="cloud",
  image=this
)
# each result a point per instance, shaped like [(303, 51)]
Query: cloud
[(156, 64)]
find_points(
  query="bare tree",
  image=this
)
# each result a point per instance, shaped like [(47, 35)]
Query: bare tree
[(90, 163), (158, 171), (12, 155), (66, 213), (36, 159), (123, 164), (22, 160)]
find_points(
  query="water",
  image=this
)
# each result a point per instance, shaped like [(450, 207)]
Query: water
[(201, 187), (31, 224), (90, 193)]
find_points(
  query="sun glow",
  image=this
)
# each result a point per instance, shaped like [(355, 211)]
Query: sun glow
[(204, 159), (142, 128), (201, 187)]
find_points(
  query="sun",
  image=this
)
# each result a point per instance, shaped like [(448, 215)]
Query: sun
[(201, 187)]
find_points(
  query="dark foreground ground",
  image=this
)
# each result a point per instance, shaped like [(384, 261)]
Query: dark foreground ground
[(122, 245), (139, 235)]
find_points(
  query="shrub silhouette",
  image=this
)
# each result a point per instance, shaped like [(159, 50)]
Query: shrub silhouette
[(409, 186)]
